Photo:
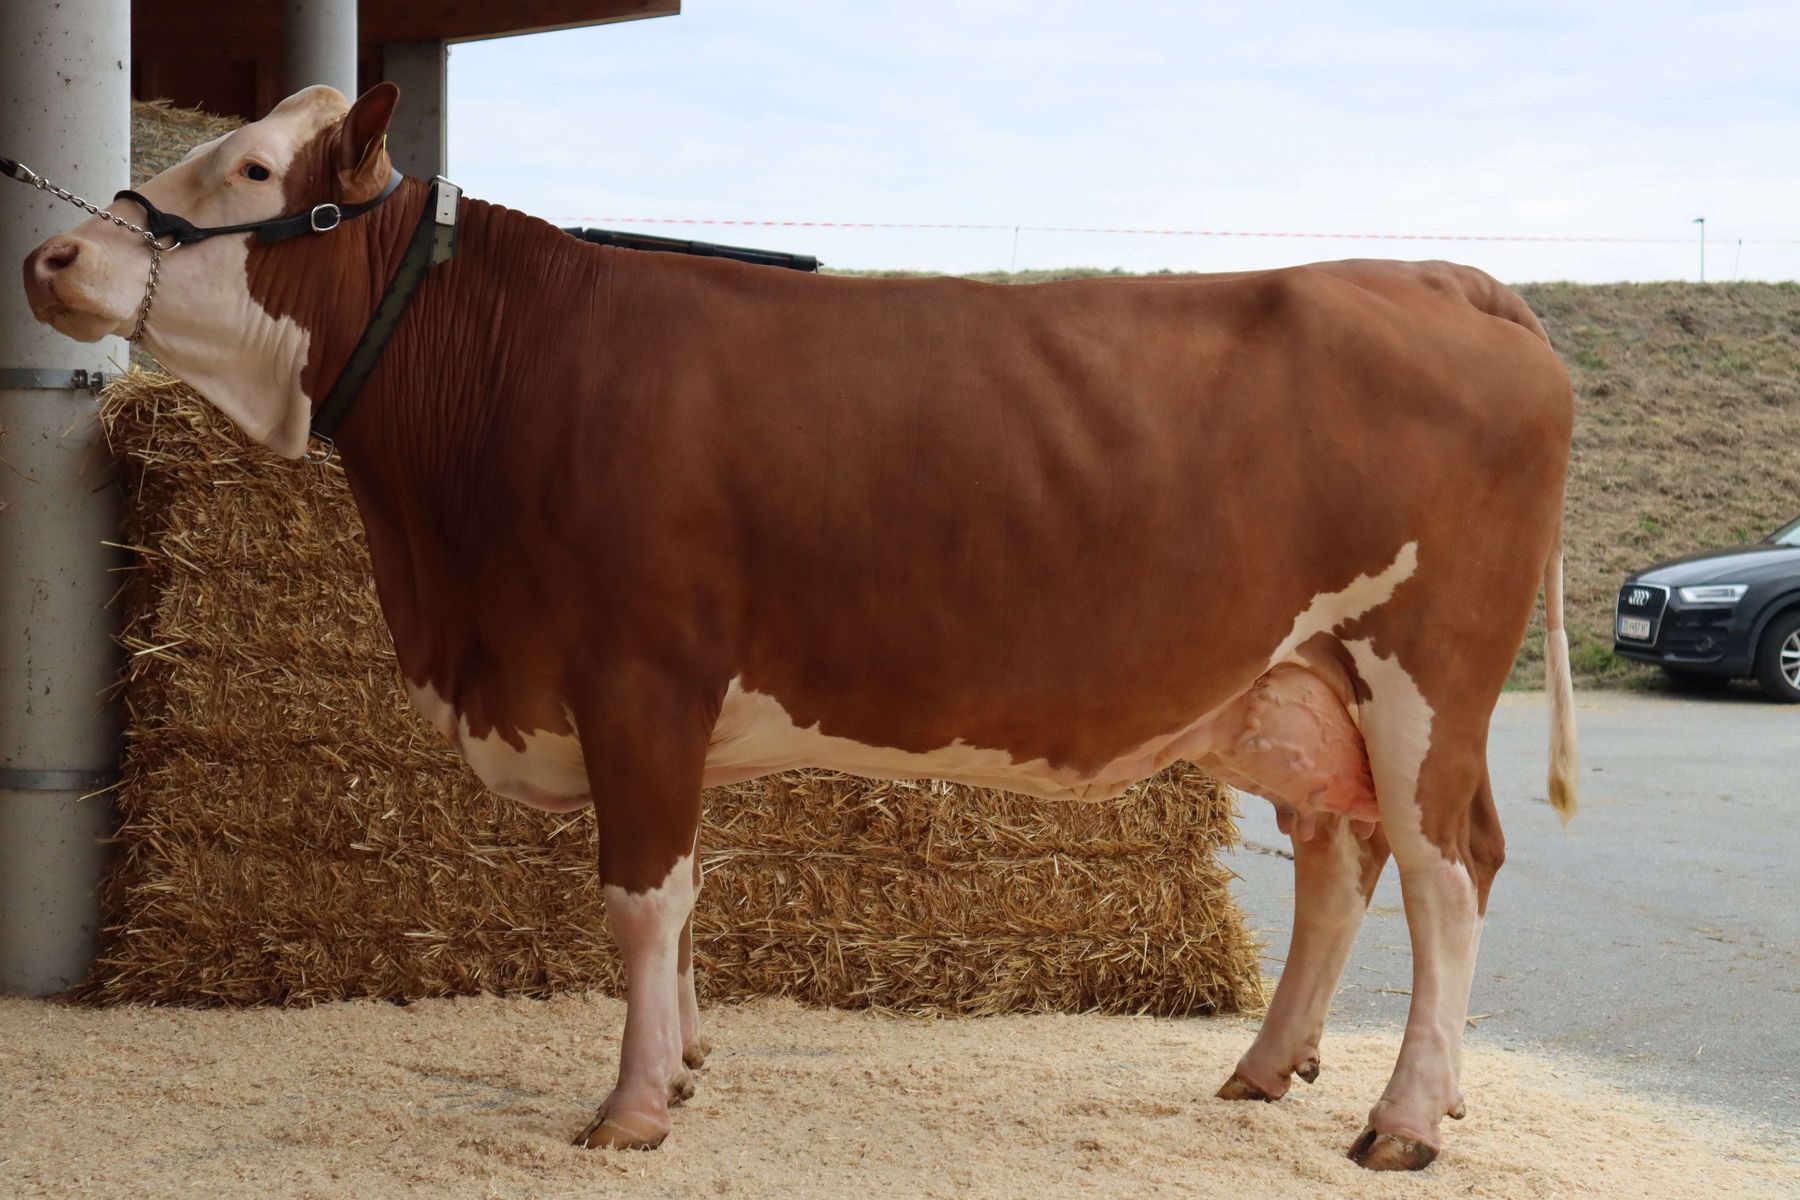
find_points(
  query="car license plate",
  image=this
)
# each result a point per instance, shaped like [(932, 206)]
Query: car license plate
[(1635, 628)]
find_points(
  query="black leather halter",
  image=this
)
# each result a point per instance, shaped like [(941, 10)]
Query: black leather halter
[(320, 218), (433, 241)]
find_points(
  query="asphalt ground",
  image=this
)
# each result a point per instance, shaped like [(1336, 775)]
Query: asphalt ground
[(1658, 939)]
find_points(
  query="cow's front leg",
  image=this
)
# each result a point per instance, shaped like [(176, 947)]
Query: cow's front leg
[(1334, 875), (647, 926), (646, 788)]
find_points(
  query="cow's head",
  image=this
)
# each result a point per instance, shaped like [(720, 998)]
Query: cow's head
[(233, 318)]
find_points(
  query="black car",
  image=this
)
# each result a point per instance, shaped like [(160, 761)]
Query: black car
[(1719, 614)]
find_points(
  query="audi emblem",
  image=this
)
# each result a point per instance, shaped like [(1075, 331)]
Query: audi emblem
[(1639, 596)]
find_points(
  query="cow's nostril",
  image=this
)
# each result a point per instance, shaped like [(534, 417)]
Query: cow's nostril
[(57, 258)]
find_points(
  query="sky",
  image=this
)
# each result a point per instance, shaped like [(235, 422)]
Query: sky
[(1579, 119)]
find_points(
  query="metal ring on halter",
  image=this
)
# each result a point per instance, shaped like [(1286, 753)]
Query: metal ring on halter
[(319, 457)]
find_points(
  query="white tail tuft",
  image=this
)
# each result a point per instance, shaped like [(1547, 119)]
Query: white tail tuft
[(1564, 757)]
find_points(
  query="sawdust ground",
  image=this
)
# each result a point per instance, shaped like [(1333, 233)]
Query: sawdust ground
[(478, 1098)]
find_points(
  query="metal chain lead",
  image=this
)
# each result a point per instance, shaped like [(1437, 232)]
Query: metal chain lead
[(156, 248)]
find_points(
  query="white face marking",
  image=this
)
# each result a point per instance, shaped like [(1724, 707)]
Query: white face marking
[(204, 325), (252, 375)]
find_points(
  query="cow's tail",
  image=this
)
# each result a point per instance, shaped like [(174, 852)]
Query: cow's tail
[(1559, 686)]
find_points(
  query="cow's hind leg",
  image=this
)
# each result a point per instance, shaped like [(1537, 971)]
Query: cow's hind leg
[(1438, 812), (646, 787), (1334, 875), (694, 1046)]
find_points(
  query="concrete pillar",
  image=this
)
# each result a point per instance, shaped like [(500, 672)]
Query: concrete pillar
[(318, 45), (65, 71), (416, 139)]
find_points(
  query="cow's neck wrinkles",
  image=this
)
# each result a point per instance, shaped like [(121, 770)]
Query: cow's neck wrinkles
[(330, 283), (464, 367), (453, 373)]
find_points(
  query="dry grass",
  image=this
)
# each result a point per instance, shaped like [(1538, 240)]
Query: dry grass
[(293, 832), (1687, 404)]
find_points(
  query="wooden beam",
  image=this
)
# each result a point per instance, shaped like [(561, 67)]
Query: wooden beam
[(171, 28), (473, 20), (223, 55)]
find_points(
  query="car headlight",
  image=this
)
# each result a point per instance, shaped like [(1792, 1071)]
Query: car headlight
[(1714, 593)]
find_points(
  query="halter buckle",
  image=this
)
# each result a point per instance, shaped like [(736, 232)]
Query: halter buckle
[(325, 217), (319, 451)]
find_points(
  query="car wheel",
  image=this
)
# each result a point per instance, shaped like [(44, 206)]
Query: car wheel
[(1778, 659), (1695, 682)]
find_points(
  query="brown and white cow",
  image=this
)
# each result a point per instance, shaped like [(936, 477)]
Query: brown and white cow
[(643, 523)]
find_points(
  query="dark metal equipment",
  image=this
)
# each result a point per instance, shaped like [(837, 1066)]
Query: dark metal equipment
[(645, 241)]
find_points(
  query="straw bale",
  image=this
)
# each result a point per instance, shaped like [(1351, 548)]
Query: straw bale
[(162, 134), (293, 832)]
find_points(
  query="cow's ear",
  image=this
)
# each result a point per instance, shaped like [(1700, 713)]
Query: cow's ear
[(362, 158)]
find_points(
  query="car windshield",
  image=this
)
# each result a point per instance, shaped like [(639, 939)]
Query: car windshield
[(1787, 535)]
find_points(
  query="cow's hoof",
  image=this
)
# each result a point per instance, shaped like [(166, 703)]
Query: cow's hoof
[(681, 1088), (623, 1131), (1239, 1088), (1308, 1071), (1386, 1152), (694, 1054)]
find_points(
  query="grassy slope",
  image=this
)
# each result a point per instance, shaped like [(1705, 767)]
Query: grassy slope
[(1687, 434)]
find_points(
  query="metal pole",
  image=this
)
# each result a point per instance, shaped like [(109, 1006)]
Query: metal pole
[(318, 45), (1701, 222), (65, 70)]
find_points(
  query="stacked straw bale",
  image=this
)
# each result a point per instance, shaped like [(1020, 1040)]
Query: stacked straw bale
[(292, 832), (161, 135)]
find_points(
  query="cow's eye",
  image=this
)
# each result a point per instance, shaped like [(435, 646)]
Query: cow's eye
[(255, 171)]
